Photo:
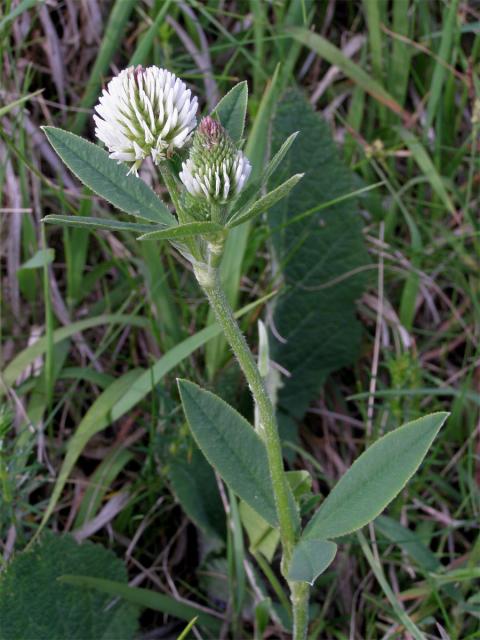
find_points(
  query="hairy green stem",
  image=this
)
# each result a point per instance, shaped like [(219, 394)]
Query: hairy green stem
[(300, 597), (209, 279)]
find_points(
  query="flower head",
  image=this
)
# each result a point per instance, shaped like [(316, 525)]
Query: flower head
[(144, 112), (216, 169)]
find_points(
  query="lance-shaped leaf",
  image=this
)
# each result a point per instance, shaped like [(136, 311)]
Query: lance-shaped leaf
[(232, 109), (108, 179), (310, 559), (98, 223), (374, 479), (232, 447), (183, 231), (265, 203), (278, 157), (253, 187)]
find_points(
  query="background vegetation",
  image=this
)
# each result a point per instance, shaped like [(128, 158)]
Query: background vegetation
[(370, 274)]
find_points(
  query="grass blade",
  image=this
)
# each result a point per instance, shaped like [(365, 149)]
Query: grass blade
[(440, 70), (333, 55), (112, 38), (382, 581), (425, 163), (145, 598)]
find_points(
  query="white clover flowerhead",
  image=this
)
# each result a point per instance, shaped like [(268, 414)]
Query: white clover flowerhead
[(215, 170), (144, 112)]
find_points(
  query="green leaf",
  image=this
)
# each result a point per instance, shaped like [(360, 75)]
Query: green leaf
[(321, 254), (232, 266), (262, 537), (336, 57), (100, 483), (97, 223), (310, 559), (108, 179), (409, 542), (195, 486), (92, 423), (374, 479), (23, 6), (34, 604), (125, 393), (183, 231), (428, 167), (29, 354), (300, 482), (231, 446), (274, 163), (232, 109), (265, 203), (16, 103), (144, 598), (40, 259)]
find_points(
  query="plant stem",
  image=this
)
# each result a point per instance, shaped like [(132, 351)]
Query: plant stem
[(209, 280), (300, 597), (234, 336)]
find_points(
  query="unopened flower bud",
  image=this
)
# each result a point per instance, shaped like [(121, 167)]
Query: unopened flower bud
[(216, 170), (144, 112)]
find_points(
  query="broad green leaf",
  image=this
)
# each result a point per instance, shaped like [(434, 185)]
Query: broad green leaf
[(321, 255), (266, 202), (310, 559), (40, 259), (144, 598), (183, 231), (232, 109), (98, 223), (232, 447), (374, 479), (108, 179), (195, 487), (34, 604)]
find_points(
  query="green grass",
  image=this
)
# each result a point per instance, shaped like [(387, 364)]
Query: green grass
[(93, 342)]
